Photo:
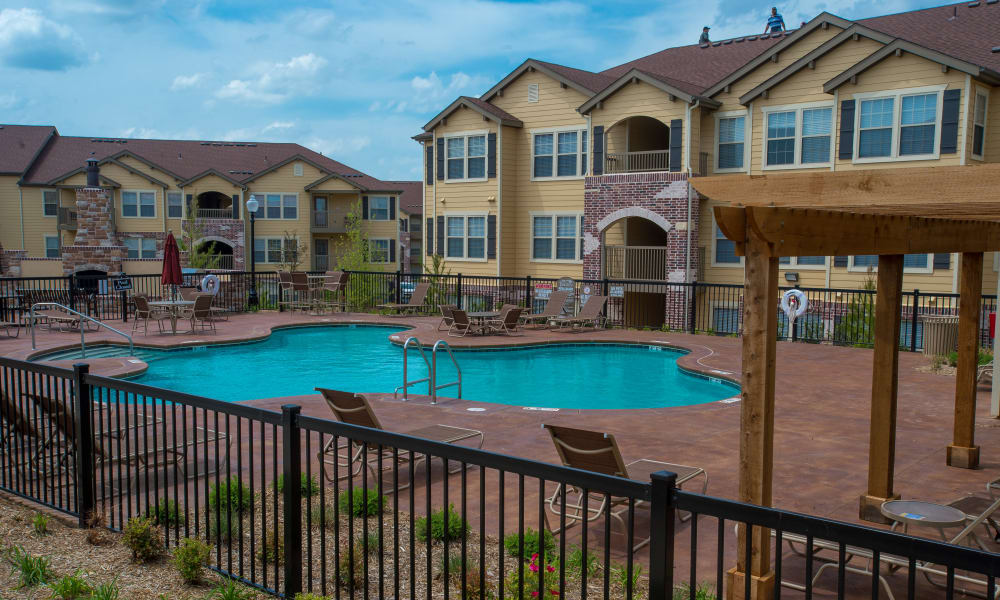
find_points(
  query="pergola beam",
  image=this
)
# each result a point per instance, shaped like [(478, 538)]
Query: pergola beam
[(963, 451)]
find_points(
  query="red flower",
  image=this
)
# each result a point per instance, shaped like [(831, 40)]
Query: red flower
[(550, 569)]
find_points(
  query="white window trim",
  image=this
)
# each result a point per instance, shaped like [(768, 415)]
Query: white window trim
[(985, 92), (465, 237), (746, 143), (486, 157), (265, 239), (262, 209), (45, 245), (389, 242), (140, 241), (727, 265), (138, 205), (797, 108), (56, 192), (555, 151), (555, 216), (794, 264), (929, 269), (897, 114), (167, 203), (388, 209)]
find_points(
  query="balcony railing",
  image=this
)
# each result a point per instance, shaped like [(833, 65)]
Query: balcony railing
[(645, 263), (220, 261), (215, 213), (67, 218), (321, 262), (329, 222), (637, 162)]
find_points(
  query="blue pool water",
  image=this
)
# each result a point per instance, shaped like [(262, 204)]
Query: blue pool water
[(361, 359)]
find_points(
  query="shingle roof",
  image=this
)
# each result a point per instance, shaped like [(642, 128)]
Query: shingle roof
[(184, 159), (411, 200), (494, 110), (19, 144), (594, 82)]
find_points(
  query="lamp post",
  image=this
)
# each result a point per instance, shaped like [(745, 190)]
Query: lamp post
[(252, 206)]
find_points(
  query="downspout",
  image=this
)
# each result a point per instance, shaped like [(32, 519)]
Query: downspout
[(687, 152), (499, 172), (20, 202), (748, 152)]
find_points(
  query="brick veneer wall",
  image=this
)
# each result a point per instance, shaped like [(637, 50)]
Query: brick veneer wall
[(230, 230), (96, 246)]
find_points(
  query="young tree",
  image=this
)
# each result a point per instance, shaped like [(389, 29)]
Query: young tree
[(294, 249), (202, 256), (354, 254)]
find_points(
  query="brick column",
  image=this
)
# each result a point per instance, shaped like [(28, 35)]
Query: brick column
[(96, 247)]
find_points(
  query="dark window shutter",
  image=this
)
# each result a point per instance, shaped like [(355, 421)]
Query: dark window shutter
[(846, 132), (392, 251), (942, 261), (491, 155), (429, 166), (840, 261), (392, 208), (598, 150), (491, 236), (440, 160), (364, 207), (190, 204), (949, 121), (429, 235), (676, 141), (440, 237), (236, 206)]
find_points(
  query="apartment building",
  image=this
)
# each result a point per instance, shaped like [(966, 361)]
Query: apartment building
[(197, 189), (557, 171)]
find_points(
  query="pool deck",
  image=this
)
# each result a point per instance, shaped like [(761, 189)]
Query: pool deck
[(821, 412)]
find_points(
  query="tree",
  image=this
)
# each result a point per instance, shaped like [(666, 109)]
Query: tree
[(354, 254), (294, 249), (204, 255), (857, 326)]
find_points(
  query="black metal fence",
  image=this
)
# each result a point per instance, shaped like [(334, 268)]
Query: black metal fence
[(295, 503)]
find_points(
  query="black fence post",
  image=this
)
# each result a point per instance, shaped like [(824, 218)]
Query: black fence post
[(85, 493), (661, 536), (399, 283), (795, 324), (72, 291), (913, 320), (124, 306), (292, 471), (527, 294), (458, 291), (693, 308)]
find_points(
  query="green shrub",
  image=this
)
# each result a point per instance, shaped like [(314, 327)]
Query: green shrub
[(575, 565), (360, 504), (144, 538), (274, 550), (348, 577), (231, 493), (106, 591), (322, 515), (70, 587), (983, 358), (510, 542), (620, 575), (310, 596), (529, 572), (190, 558), (30, 570), (231, 590), (223, 528), (40, 524), (703, 591), (165, 513), (309, 485), (457, 527)]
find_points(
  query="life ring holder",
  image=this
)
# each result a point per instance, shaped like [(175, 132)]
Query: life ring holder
[(210, 284), (794, 304)]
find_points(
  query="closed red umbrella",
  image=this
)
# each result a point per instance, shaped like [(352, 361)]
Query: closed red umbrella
[(171, 262)]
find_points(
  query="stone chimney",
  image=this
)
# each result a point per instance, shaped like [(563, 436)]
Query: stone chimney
[(95, 248)]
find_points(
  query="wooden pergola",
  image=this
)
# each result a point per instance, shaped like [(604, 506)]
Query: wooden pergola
[(886, 213)]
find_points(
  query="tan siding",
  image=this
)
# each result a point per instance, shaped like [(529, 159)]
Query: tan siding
[(10, 209), (992, 144), (633, 100), (41, 268), (36, 224), (281, 181), (511, 229)]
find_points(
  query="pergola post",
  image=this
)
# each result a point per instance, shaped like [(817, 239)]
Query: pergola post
[(760, 334), (963, 452), (885, 385)]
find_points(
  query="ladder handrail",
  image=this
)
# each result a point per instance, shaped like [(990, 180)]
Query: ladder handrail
[(458, 370), (83, 342), (406, 383)]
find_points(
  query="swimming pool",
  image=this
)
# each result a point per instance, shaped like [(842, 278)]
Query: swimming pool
[(360, 358)]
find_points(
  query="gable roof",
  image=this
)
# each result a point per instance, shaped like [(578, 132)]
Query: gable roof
[(585, 82), (679, 89), (330, 176), (481, 106), (20, 144), (411, 199)]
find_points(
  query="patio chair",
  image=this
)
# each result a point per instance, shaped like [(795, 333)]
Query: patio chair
[(416, 300), (553, 309), (301, 291), (351, 456), (285, 296), (507, 323), (590, 314), (201, 313), (598, 452), (336, 284), (145, 313), (984, 370), (461, 324), (11, 328), (189, 293), (446, 318)]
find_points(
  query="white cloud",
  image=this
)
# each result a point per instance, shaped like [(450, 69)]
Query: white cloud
[(183, 82), (9, 101), (190, 133), (279, 125), (273, 83), (429, 93), (29, 40)]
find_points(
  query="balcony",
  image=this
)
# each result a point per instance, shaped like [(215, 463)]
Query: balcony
[(67, 218), (637, 162), (324, 221), (215, 213), (641, 263), (321, 262)]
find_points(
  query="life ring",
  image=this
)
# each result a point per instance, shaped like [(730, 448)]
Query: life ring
[(210, 284), (801, 303)]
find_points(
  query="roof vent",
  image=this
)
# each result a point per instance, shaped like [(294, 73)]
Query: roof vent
[(992, 1), (205, 144), (765, 36), (751, 38), (728, 42), (716, 44), (532, 92), (995, 49), (973, 4), (251, 145), (738, 40)]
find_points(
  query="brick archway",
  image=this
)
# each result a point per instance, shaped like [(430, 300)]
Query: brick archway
[(634, 211), (213, 238)]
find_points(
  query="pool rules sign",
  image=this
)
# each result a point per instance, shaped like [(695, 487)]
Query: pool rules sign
[(123, 283)]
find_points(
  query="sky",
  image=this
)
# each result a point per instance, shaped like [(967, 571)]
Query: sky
[(351, 79)]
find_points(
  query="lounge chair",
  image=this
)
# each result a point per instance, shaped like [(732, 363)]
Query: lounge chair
[(983, 371), (461, 324), (553, 309), (12, 328), (598, 452), (507, 322), (446, 317), (416, 300), (590, 314), (349, 456), (145, 313)]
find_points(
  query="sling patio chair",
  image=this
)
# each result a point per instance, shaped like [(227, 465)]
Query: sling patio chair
[(416, 300), (553, 309), (507, 322), (350, 456), (145, 313), (598, 452), (301, 291), (461, 324), (446, 317), (590, 314), (336, 285), (200, 313)]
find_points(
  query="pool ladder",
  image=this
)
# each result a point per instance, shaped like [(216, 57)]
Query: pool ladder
[(431, 379)]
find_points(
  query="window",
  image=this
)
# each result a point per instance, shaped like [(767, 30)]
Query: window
[(802, 261), (916, 261), (466, 237), (415, 248), (404, 224), (911, 262), (378, 208), (138, 204), (174, 205), (50, 203), (732, 136), (279, 206), (864, 261), (798, 136), (380, 251), (725, 249), (140, 248), (900, 125), (273, 250), (557, 237), (466, 156), (559, 154), (979, 124), (52, 246)]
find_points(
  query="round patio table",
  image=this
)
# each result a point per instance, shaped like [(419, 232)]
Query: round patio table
[(174, 308), (927, 514)]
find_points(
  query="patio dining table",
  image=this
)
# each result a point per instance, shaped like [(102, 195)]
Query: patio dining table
[(173, 307)]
